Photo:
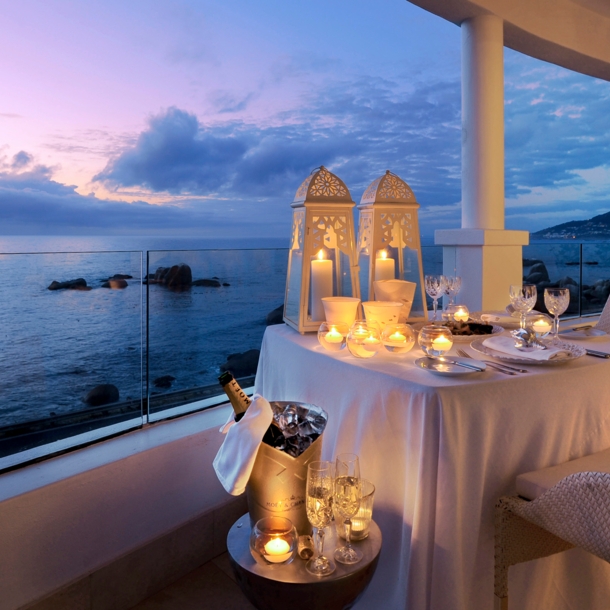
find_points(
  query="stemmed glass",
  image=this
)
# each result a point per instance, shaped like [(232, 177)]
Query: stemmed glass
[(556, 301), (434, 284), (523, 298), (319, 493), (348, 493), (452, 287)]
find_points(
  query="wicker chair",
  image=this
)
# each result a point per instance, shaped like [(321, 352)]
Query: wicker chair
[(574, 512)]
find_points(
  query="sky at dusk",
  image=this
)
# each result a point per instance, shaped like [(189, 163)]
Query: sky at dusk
[(203, 117)]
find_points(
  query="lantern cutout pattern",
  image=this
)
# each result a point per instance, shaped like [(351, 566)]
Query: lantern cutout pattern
[(389, 245), (322, 255)]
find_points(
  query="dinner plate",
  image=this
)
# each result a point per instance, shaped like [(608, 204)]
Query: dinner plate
[(445, 369), (574, 352), (495, 330), (588, 333)]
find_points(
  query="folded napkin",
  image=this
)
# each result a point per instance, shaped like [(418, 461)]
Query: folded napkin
[(506, 345), (503, 318), (235, 458), (396, 290)]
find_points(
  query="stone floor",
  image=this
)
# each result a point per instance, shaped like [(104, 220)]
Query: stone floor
[(210, 587)]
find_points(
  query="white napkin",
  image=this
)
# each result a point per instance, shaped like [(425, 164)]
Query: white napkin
[(396, 290), (506, 345), (235, 458)]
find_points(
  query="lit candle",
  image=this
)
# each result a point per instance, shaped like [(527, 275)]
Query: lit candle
[(371, 340), (321, 284), (397, 337), (461, 314), (333, 335), (360, 333), (541, 327), (277, 550), (385, 267), (441, 344)]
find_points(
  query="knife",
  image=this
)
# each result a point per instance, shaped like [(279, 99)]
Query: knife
[(464, 364), (577, 328), (592, 352)]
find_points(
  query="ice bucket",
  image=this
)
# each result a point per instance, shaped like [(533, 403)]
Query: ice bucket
[(277, 484)]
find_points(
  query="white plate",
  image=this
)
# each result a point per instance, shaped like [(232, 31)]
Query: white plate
[(575, 351), (449, 370), (463, 338), (588, 333)]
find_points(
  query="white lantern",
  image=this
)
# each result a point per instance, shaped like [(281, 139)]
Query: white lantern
[(322, 257), (388, 239)]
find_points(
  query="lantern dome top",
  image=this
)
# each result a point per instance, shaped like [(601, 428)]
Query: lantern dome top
[(388, 189), (322, 186)]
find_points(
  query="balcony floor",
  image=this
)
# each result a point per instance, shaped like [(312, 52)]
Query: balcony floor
[(210, 587)]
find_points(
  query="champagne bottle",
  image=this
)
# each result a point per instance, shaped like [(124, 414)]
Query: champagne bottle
[(240, 403)]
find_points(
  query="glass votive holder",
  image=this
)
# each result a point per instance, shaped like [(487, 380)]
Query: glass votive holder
[(398, 338), (361, 523), (435, 340), (457, 313), (364, 339), (333, 337), (540, 324), (273, 541)]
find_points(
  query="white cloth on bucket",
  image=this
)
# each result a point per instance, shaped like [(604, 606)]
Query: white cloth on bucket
[(235, 458), (396, 290)]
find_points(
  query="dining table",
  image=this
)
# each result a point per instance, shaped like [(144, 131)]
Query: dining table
[(441, 449)]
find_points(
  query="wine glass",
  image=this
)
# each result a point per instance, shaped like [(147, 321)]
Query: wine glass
[(434, 284), (347, 502), (556, 301), (452, 287), (319, 512), (523, 298)]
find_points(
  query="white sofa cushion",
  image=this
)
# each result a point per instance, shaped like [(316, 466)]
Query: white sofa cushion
[(530, 485)]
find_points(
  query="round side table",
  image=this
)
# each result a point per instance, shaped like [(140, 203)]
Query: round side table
[(291, 586)]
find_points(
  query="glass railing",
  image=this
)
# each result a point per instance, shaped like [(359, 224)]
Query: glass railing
[(70, 350), (82, 362)]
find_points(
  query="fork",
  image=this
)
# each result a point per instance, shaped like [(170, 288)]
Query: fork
[(502, 368)]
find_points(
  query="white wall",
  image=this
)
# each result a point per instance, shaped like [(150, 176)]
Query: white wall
[(68, 516)]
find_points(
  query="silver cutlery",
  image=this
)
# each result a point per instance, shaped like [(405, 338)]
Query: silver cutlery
[(594, 352), (503, 368), (446, 360), (577, 328)]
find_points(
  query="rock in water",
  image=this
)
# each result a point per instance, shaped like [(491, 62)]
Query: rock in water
[(178, 276), (209, 283), (77, 284), (115, 284), (102, 395), (164, 382), (121, 276), (242, 365), (276, 316)]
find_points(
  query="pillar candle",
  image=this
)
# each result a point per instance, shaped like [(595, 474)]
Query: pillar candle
[(321, 285), (385, 267)]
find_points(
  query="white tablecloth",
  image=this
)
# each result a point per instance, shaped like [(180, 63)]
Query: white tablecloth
[(440, 451)]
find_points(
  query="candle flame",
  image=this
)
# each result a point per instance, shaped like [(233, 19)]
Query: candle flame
[(383, 254), (320, 255)]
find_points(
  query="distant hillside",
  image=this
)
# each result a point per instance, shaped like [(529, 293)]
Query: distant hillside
[(596, 227)]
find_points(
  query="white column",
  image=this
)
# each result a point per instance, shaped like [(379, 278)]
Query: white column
[(483, 123), (488, 258)]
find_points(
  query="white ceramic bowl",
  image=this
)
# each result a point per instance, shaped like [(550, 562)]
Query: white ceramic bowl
[(382, 312), (340, 309)]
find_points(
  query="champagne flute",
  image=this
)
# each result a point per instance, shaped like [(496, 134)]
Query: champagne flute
[(348, 493), (434, 284), (452, 287), (319, 492), (523, 298), (556, 301)]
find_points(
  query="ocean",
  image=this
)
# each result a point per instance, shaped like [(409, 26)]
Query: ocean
[(55, 346)]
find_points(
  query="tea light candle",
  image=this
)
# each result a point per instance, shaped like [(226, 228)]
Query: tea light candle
[(277, 550), (371, 340), (321, 284), (333, 336), (541, 327), (385, 268), (441, 344), (397, 337), (360, 333), (461, 314)]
